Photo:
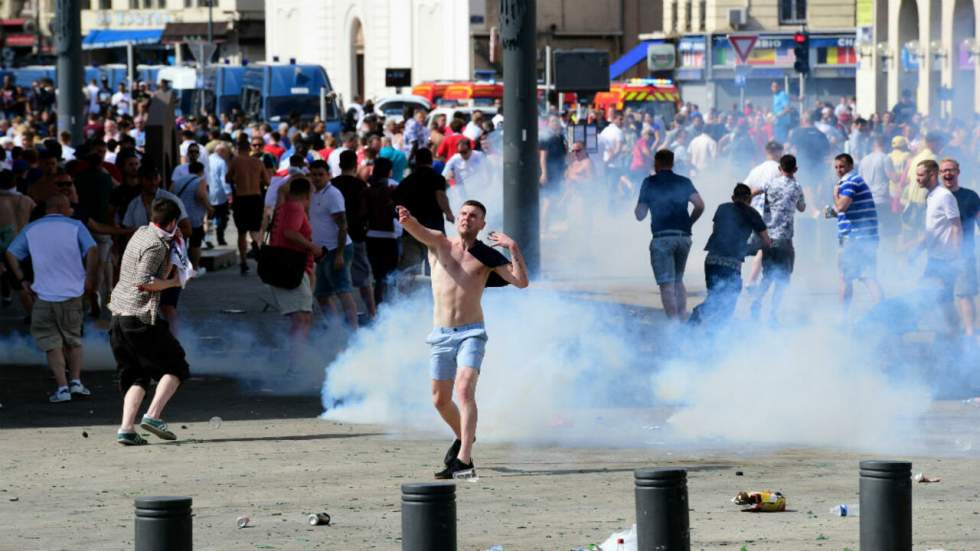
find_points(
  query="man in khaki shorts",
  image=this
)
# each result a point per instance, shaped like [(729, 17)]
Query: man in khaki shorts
[(461, 268), (58, 246)]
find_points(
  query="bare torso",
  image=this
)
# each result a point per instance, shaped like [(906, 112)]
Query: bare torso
[(458, 280), (14, 210)]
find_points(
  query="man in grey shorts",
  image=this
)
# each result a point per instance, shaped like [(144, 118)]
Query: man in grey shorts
[(461, 268), (665, 196)]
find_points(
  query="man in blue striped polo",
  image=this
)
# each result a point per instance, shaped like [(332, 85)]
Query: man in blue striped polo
[(857, 231)]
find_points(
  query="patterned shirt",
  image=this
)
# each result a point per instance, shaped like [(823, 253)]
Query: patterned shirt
[(146, 257), (415, 132), (782, 197), (860, 220)]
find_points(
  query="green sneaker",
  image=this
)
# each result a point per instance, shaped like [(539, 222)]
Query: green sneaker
[(157, 427), (130, 439)]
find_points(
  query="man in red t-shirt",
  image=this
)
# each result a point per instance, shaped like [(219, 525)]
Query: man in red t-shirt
[(450, 143), (291, 229), (275, 146)]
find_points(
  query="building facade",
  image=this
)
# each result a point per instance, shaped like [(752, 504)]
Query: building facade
[(162, 29), (926, 47), (709, 74), (356, 40)]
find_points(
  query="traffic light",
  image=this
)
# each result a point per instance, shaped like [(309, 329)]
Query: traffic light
[(801, 48)]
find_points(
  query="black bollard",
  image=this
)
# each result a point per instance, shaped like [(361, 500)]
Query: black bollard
[(886, 506), (163, 524), (429, 517), (662, 521)]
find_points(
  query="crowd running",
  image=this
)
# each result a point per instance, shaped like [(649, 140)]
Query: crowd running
[(333, 224)]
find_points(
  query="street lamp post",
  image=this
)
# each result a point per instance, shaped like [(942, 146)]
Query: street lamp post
[(68, 46)]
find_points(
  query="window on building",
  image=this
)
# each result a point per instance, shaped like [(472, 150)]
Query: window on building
[(147, 4), (673, 17), (792, 11), (703, 16), (105, 4), (687, 16), (86, 4), (134, 4), (203, 3)]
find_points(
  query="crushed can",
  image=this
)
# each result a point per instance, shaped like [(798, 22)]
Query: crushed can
[(242, 521), (766, 501), (319, 519)]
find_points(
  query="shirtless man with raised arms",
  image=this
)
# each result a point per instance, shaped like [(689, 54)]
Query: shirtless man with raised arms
[(461, 268)]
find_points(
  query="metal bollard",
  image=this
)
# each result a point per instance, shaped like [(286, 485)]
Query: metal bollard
[(429, 517), (886, 506), (163, 524), (662, 521)]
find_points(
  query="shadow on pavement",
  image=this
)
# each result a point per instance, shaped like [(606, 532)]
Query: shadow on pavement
[(24, 391)]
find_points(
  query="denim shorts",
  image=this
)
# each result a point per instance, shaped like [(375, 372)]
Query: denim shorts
[(452, 346), (332, 282), (966, 283), (668, 257), (858, 259)]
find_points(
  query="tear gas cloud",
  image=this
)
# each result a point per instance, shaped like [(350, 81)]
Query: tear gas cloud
[(565, 370)]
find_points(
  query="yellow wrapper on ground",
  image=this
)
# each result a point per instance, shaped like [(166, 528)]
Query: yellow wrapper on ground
[(766, 501)]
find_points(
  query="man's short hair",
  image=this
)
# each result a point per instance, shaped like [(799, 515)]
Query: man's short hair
[(788, 164), (196, 168), (163, 211), (423, 157), (477, 204), (299, 187), (846, 158), (319, 163), (742, 191), (297, 161), (773, 146), (951, 160), (348, 160), (664, 157), (930, 165), (456, 125)]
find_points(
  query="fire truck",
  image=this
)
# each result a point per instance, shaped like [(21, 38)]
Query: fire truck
[(465, 93), (654, 96)]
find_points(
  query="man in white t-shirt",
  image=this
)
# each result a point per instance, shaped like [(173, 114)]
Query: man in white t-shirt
[(703, 151), (92, 94), (612, 141), (465, 168), (942, 238), (329, 222), (348, 142), (758, 177), (121, 101)]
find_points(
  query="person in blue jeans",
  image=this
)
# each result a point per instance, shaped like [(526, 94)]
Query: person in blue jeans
[(665, 195), (734, 223)]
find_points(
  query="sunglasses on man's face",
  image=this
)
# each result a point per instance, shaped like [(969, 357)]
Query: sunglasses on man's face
[(256, 145)]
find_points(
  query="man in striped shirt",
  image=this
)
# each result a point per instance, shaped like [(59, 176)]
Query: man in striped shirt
[(857, 231)]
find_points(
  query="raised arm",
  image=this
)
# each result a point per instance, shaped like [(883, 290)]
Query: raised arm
[(514, 273), (430, 238)]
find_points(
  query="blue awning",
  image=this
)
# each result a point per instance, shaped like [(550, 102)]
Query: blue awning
[(112, 38), (630, 58)]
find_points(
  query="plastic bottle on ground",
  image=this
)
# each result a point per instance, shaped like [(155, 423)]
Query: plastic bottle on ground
[(620, 544), (845, 510)]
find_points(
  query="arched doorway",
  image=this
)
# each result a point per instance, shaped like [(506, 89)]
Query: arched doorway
[(357, 60), (908, 64), (964, 84)]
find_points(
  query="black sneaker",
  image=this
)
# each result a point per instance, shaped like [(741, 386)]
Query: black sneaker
[(457, 469), (243, 267), (452, 452), (208, 245)]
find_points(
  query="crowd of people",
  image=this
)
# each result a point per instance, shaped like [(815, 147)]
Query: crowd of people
[(89, 224)]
